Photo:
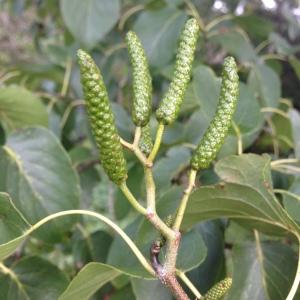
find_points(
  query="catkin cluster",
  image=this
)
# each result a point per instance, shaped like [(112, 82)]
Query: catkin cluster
[(218, 290), (217, 131), (142, 85), (102, 119), (168, 109)]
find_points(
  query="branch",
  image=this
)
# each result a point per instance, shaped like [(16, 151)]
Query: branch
[(188, 283), (184, 200), (159, 134)]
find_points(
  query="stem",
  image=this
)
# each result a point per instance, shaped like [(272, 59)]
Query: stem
[(107, 221), (158, 138), (137, 136), (67, 76), (171, 282), (138, 153), (184, 200), (216, 21), (280, 168), (296, 282), (292, 195), (150, 186), (150, 215), (239, 137), (195, 13), (273, 136), (128, 14), (284, 161), (157, 222), (189, 284), (275, 110), (132, 199)]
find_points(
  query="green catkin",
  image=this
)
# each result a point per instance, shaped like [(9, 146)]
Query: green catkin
[(169, 108), (142, 83), (216, 133), (102, 119), (145, 143), (218, 290)]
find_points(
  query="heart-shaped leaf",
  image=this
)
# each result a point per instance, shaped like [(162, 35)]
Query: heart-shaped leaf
[(89, 21), (19, 108), (39, 177)]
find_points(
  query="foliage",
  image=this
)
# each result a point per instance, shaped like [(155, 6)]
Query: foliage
[(59, 210)]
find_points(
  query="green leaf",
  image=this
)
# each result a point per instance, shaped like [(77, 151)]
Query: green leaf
[(19, 108), (90, 247), (39, 177), (256, 26), (9, 247), (282, 46), (90, 278), (12, 222), (150, 289), (265, 83), (159, 31), (295, 120), (292, 203), (295, 63), (32, 278), (166, 168), (208, 272), (262, 270), (89, 21), (236, 43), (246, 194)]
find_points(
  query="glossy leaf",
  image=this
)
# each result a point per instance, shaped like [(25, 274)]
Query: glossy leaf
[(12, 224), (159, 31), (292, 202), (262, 270), (265, 83), (236, 43), (150, 289), (166, 168), (20, 107), (39, 177), (90, 278), (295, 121), (207, 273), (89, 21), (32, 278), (245, 194)]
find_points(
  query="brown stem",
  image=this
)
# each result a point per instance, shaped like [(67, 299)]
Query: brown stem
[(167, 278), (172, 283)]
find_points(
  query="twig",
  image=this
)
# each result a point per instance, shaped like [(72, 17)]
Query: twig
[(275, 110), (128, 14), (67, 77), (188, 283), (158, 138), (288, 193), (138, 153), (195, 13), (239, 137), (137, 136), (184, 200), (102, 218), (284, 161), (127, 193)]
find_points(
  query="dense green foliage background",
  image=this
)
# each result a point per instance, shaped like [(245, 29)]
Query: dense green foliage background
[(49, 162)]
